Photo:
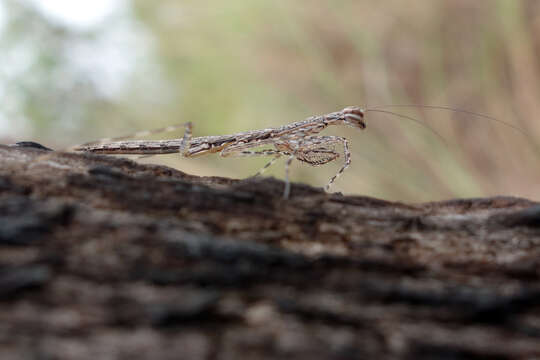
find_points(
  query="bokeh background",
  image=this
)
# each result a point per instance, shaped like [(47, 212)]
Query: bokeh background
[(76, 71)]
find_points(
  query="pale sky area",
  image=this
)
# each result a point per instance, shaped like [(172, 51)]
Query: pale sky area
[(78, 13), (111, 67)]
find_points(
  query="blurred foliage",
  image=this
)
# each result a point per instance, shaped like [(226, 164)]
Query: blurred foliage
[(237, 65)]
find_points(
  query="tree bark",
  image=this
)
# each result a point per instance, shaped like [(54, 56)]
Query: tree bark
[(104, 258)]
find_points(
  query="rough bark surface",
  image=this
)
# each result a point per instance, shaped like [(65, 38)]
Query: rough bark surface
[(104, 258)]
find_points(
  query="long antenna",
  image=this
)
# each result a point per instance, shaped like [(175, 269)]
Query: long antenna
[(412, 119), (518, 129)]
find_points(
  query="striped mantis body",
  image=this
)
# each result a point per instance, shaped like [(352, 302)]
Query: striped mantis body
[(298, 140)]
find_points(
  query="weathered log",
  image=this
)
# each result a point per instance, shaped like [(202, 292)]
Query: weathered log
[(104, 258)]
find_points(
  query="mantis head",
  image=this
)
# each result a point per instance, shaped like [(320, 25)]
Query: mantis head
[(354, 116)]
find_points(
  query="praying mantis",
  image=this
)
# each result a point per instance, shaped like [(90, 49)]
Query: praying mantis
[(298, 140)]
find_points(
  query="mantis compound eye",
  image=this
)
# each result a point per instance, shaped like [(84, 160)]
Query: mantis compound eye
[(354, 116)]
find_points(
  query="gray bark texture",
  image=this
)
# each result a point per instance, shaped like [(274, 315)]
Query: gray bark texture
[(104, 258)]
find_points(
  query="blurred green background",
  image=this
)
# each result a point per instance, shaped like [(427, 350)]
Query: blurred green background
[(77, 71)]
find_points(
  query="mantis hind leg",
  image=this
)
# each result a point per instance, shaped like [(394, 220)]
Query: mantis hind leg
[(242, 150), (268, 164)]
